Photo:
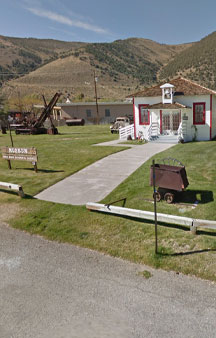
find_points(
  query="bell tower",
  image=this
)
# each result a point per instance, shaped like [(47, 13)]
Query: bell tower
[(167, 93)]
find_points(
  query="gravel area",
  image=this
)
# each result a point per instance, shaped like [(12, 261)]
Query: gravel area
[(49, 289)]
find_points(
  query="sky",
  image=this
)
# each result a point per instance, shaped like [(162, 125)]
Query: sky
[(164, 21)]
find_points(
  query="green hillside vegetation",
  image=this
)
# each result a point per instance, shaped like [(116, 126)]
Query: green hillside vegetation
[(139, 58), (197, 63), (20, 56), (121, 60), (46, 46), (122, 66)]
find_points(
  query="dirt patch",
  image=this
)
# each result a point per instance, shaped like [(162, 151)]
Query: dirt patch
[(8, 211)]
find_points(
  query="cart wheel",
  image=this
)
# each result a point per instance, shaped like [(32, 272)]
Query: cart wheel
[(158, 196), (169, 198)]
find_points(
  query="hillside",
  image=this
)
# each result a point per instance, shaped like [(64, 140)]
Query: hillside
[(197, 63), (121, 66), (23, 55), (139, 58)]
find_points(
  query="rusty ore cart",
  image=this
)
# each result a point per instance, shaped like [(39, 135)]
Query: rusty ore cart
[(169, 178)]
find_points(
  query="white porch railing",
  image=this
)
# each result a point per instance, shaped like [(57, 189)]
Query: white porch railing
[(153, 131), (126, 131), (182, 131), (180, 134)]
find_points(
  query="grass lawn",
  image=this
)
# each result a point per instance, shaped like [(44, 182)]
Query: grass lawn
[(61, 155), (133, 142), (58, 155)]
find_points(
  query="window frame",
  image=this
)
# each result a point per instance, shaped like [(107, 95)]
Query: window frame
[(204, 113), (88, 113), (145, 106), (107, 110)]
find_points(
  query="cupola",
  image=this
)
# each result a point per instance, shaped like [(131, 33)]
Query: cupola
[(167, 93)]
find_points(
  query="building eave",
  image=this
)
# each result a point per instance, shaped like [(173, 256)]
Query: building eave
[(181, 85)]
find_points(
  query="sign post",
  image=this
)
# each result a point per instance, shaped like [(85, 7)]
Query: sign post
[(155, 208), (10, 134)]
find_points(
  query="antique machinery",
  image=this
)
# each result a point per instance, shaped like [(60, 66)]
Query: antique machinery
[(37, 126)]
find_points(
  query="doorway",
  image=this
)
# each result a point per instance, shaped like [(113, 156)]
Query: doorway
[(170, 122)]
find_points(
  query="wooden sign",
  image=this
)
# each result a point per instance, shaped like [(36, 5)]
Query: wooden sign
[(21, 154)]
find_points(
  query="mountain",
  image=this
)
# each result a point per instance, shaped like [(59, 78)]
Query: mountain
[(198, 63), (23, 55), (121, 66)]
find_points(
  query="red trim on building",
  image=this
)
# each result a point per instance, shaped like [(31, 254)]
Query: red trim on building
[(161, 120), (204, 112), (210, 116), (140, 107), (134, 119)]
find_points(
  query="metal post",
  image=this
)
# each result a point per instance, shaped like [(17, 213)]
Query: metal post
[(35, 167), (155, 208), (96, 99), (9, 164), (10, 134)]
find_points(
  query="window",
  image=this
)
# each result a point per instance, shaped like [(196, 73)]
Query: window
[(144, 116), (88, 112), (107, 112), (199, 113)]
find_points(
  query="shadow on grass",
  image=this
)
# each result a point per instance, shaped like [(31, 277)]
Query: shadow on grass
[(151, 222), (187, 253), (72, 133), (79, 133), (15, 193), (194, 196), (48, 171), (10, 192), (29, 197)]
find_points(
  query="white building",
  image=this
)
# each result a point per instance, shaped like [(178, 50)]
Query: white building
[(181, 107)]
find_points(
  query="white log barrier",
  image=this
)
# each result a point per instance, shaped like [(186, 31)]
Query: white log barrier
[(14, 187), (163, 218)]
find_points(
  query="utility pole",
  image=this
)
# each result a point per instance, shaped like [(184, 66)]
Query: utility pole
[(155, 208), (96, 99)]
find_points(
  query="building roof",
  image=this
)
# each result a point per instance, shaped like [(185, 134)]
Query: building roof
[(161, 105), (41, 106), (181, 85), (93, 104)]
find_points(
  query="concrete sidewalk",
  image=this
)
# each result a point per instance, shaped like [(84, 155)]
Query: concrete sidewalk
[(96, 181)]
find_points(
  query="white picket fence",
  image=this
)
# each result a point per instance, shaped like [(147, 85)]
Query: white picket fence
[(126, 131)]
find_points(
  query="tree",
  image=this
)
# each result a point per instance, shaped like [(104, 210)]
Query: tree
[(3, 105), (24, 104), (3, 118)]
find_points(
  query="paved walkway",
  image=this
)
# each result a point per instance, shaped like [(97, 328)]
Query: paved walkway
[(96, 181)]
